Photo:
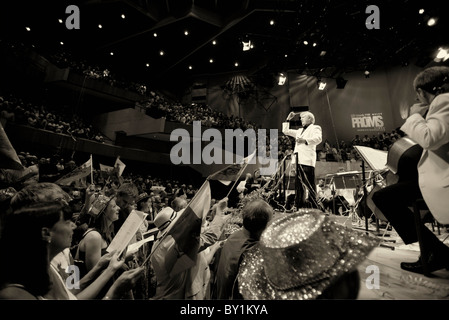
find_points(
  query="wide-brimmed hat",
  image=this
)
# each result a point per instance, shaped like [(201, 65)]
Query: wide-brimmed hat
[(165, 219), (299, 255)]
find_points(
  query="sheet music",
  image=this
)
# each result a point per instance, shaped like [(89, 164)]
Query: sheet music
[(376, 159), (132, 248), (127, 231)]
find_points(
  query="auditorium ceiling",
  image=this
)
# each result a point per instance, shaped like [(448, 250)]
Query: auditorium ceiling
[(326, 38)]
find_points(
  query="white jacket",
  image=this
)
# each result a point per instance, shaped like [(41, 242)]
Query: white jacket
[(306, 152), (432, 134)]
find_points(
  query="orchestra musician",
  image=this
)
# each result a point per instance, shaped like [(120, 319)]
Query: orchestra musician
[(423, 172), (324, 195)]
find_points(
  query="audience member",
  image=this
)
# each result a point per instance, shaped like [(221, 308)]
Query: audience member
[(44, 230), (304, 255), (256, 215)]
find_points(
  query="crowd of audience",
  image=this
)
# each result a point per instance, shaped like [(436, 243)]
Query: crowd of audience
[(59, 120), (60, 221)]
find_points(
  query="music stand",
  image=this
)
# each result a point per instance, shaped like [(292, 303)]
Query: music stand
[(377, 160)]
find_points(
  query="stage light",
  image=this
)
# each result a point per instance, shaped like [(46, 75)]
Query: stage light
[(282, 79), (367, 73), (321, 84), (123, 16), (100, 26), (442, 55), (28, 28), (60, 21), (246, 45), (431, 22), (155, 35), (214, 42)]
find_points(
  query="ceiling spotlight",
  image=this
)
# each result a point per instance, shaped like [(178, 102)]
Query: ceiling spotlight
[(282, 79), (442, 55), (112, 53), (214, 42), (272, 22), (431, 22), (421, 11), (61, 43), (367, 73), (246, 45), (314, 44), (123, 16), (161, 53), (211, 60), (28, 28), (155, 34), (321, 85), (190, 67), (236, 64), (60, 21), (322, 53), (306, 42), (147, 64), (186, 32)]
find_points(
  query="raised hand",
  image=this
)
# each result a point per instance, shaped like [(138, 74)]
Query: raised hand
[(291, 115)]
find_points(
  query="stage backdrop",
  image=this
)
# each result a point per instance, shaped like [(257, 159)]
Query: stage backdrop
[(366, 106)]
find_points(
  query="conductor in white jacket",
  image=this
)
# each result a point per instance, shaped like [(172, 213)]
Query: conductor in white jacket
[(306, 140)]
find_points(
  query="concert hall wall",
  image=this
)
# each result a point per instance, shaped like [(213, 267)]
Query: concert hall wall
[(366, 105)]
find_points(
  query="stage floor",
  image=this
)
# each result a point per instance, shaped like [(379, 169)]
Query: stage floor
[(395, 283)]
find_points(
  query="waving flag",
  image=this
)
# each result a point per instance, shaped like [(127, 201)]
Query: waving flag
[(187, 229), (120, 166), (232, 172), (78, 173)]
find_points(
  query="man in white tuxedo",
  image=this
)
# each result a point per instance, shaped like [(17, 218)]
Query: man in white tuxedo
[(306, 140)]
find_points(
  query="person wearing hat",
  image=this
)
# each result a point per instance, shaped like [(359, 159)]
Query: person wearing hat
[(183, 285), (303, 256), (100, 222), (37, 205)]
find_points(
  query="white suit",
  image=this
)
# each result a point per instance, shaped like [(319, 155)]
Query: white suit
[(306, 152), (432, 134)]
